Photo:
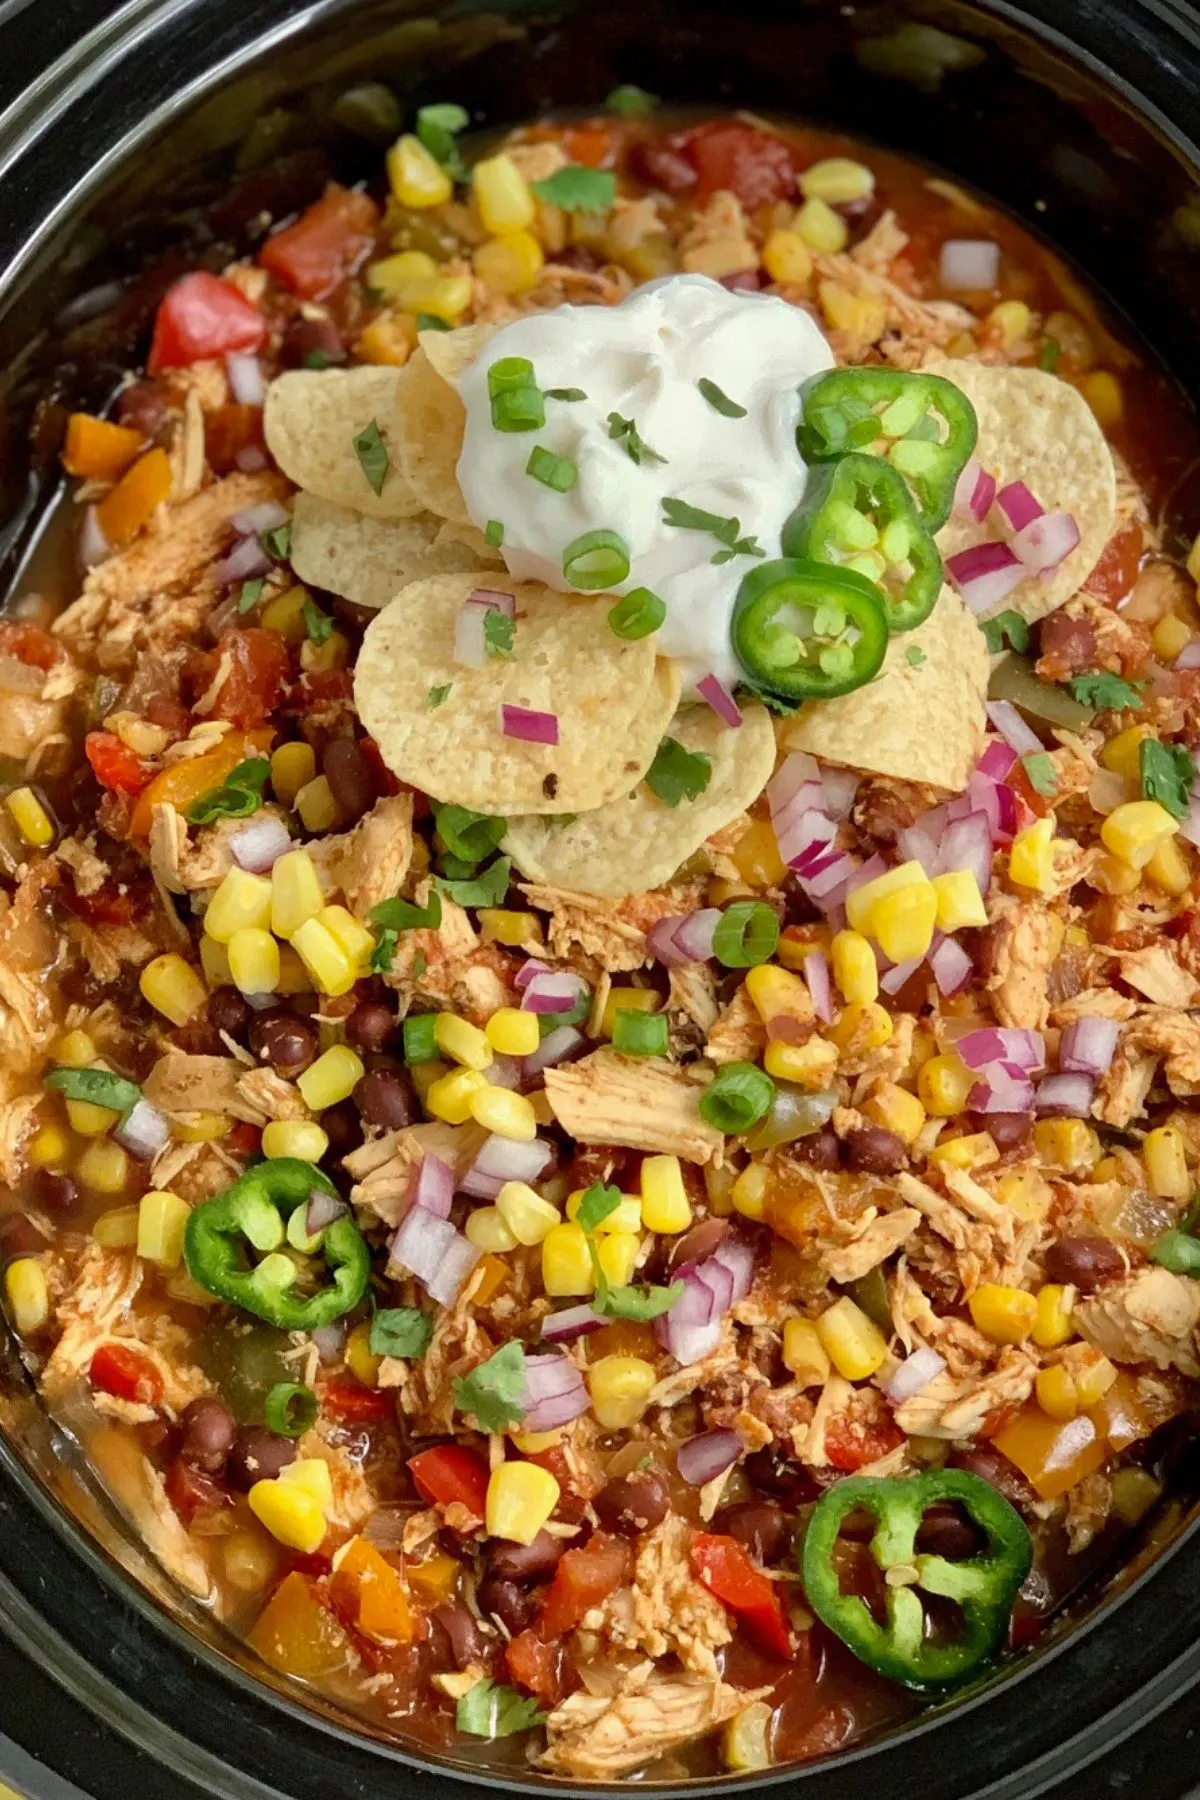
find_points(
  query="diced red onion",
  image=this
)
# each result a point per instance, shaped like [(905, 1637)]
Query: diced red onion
[(684, 937), (974, 493), (470, 645), (498, 599), (967, 844), (720, 699), (555, 1048), (804, 838), (502, 1159), (1066, 1096), (703, 1458), (839, 787), (267, 515), (914, 1374), (1046, 543), (93, 544), (996, 763), (1019, 506), (951, 966), (828, 876), (738, 1257), (554, 992), (554, 1392), (1189, 825), (330, 1341), (259, 846), (322, 1210), (995, 799), (1018, 1045), (421, 1243), (985, 574), (690, 1330), (797, 773), (246, 381), (1189, 656), (1088, 1046), (245, 562), (969, 265), (250, 459), (1001, 1092), (505, 1071), (1016, 733), (529, 725), (447, 1284), (718, 1279), (573, 1322), (820, 988), (917, 846), (865, 872), (433, 1186), (144, 1131), (894, 978), (528, 969)]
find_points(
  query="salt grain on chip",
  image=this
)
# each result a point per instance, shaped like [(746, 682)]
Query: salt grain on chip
[(370, 560), (310, 421)]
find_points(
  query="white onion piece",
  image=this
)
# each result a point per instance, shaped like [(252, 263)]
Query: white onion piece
[(969, 265), (1189, 656), (433, 1187), (259, 847), (914, 1374), (144, 1131), (245, 562), (246, 379), (250, 459), (1016, 733)]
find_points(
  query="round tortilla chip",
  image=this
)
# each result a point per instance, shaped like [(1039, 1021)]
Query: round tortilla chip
[(430, 440), (310, 421), (1037, 429), (637, 842), (922, 718), (370, 560), (613, 699), (453, 352)]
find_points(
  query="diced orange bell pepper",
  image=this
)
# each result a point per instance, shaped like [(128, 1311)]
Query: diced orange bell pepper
[(130, 506), (296, 1634), (182, 784), (97, 449), (1055, 1454), (435, 1578), (378, 1592), (493, 1273)]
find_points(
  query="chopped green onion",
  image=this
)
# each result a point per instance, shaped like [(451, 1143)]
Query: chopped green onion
[(637, 614), (740, 1096), (746, 935), (420, 1040), (565, 394), (509, 372), (438, 695), (518, 409), (493, 533), (278, 541), (631, 101), (640, 1034), (553, 471), (598, 559), (625, 432), (317, 624), (290, 1409), (498, 633), (720, 402)]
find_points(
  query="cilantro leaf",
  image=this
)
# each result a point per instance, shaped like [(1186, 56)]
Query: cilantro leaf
[(400, 1331), (384, 953), (430, 322), (1051, 351), (1040, 770), (914, 656), (577, 189), (99, 1087), (720, 402), (240, 794), (487, 889), (406, 915), (316, 359), (372, 455), (317, 624), (625, 432), (494, 533), (597, 1203), (491, 1711), (277, 542), (494, 1393), (631, 101), (677, 774), (498, 633), (437, 127), (1006, 628), (1110, 692), (436, 695), (641, 1303), (250, 595), (468, 834), (1167, 775)]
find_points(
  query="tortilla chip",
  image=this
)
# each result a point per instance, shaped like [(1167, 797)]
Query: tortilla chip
[(637, 842), (1037, 429), (370, 560), (613, 699), (453, 352), (918, 720), (431, 437), (310, 421)]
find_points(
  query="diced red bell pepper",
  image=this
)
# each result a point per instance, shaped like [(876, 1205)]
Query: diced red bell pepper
[(1117, 570), (451, 1474), (30, 645), (852, 1444), (326, 243), (727, 1571), (583, 1579), (347, 1401), (535, 1665), (752, 164), (202, 316), (126, 1374), (114, 764)]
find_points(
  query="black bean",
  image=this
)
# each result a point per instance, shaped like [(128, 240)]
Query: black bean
[(306, 336), (228, 1012), (466, 1641), (56, 1191), (510, 1603), (371, 1026), (633, 1503), (350, 779), (209, 1432), (823, 1149), (19, 1236), (288, 1043), (342, 1126), (1008, 1131), (780, 1476), (874, 1151), (1083, 1262), (385, 1097), (765, 1529), (142, 408), (996, 1470), (945, 1532), (258, 1455), (525, 1562)]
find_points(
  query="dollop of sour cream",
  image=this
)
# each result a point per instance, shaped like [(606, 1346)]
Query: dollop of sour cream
[(644, 361)]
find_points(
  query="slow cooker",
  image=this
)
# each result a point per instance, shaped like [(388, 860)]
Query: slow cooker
[(131, 131)]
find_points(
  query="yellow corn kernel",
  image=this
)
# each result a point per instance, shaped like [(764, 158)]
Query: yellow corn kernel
[(1134, 831), (787, 259), (820, 228), (503, 196), (1066, 1143), (510, 264), (162, 1219), (416, 178), (172, 988), (462, 1042), (75, 1050), (810, 1065), (749, 1191), (839, 180), (1004, 1315), (89, 1120), (449, 1096), (323, 957), (566, 1261), (527, 1215), (520, 1498), (27, 1295), (532, 1443), (625, 1216), (959, 901), (332, 1078), (1094, 1375), (778, 993), (393, 273), (1193, 560), (506, 1114), (301, 1138), (896, 1110), (500, 926), (49, 1148), (863, 316), (388, 341), (620, 1388), (117, 1229), (854, 967), (1052, 1325), (1025, 1193), (1103, 393), (804, 1353), (626, 999), (444, 297), (361, 1361), (241, 903), (311, 1474), (291, 1515), (296, 892), (1166, 1164), (861, 900), (1122, 754), (487, 1230), (1031, 858), (1011, 321), (1108, 1169), (865, 1027), (30, 817), (248, 1561), (316, 805), (292, 767), (511, 1032), (903, 923), (944, 1084), (617, 1254), (853, 1343), (1056, 1392), (254, 961), (214, 961), (974, 1152), (1169, 868), (201, 1127), (665, 1205), (543, 1112), (346, 931), (284, 613), (1169, 637), (756, 855), (1112, 876), (104, 1167)]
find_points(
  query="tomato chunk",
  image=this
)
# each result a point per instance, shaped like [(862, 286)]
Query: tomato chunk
[(257, 674), (749, 163), (29, 644), (350, 1403), (852, 1444), (202, 316), (726, 1569), (324, 245), (449, 1474), (1115, 573), (535, 1665), (126, 1374), (582, 1580), (115, 765)]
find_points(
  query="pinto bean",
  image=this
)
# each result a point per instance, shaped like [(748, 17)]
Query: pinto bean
[(1083, 1262)]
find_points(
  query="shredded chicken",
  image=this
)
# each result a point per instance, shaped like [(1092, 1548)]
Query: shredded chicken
[(180, 1084), (666, 1611), (953, 1408), (369, 864), (640, 1103), (1022, 944), (137, 1485), (1156, 973), (739, 1035), (1150, 1317), (874, 1238), (594, 1737), (383, 1168), (187, 864)]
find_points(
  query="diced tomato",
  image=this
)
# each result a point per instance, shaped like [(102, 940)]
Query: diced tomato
[(228, 430), (1028, 796), (535, 1665), (107, 906), (192, 1492), (596, 143), (202, 316), (1115, 573), (115, 765), (126, 1374), (30, 645), (244, 1139), (727, 1570), (852, 1444), (750, 163), (347, 1401), (450, 1474), (582, 1580), (258, 673), (325, 244)]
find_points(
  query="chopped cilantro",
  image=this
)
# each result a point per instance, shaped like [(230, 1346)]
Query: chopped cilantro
[(276, 542), (1051, 351), (240, 794), (1107, 691), (431, 322), (1006, 628), (317, 624), (316, 359), (597, 1203), (491, 1711), (98, 1087), (626, 433), (372, 455), (577, 189), (1040, 771), (720, 402), (391, 917), (400, 1331), (250, 595), (494, 1393), (468, 834), (694, 518), (438, 695), (641, 1303), (487, 889), (678, 774), (914, 656), (631, 101), (437, 129), (498, 632), (563, 394), (1167, 775)]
